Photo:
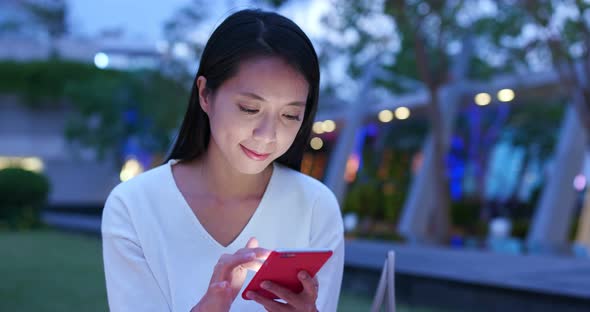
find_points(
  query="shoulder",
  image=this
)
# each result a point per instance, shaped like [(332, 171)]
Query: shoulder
[(132, 200), (303, 186), (315, 201), (145, 183)]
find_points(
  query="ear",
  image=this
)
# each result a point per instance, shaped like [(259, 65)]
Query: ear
[(203, 94)]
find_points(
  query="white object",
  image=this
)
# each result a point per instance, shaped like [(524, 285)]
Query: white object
[(386, 286), (350, 221), (500, 228)]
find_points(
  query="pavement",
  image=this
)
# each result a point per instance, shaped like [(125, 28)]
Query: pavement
[(555, 275)]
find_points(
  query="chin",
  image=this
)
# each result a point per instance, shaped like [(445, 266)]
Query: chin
[(249, 166)]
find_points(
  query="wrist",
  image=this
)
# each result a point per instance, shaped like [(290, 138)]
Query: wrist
[(196, 308), (207, 304), (201, 306)]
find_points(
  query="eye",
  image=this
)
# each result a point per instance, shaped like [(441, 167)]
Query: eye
[(248, 110), (292, 117)]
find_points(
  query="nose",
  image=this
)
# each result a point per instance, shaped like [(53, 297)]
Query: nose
[(266, 130)]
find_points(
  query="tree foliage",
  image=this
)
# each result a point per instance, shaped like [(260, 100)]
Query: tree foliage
[(108, 106), (545, 35)]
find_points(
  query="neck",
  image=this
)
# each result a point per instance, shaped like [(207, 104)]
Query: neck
[(222, 180)]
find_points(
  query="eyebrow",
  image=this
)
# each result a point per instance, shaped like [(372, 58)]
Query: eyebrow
[(259, 98)]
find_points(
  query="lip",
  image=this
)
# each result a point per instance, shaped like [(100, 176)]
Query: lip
[(253, 155)]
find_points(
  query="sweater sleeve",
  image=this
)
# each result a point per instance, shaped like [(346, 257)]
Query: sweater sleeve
[(130, 283), (328, 232)]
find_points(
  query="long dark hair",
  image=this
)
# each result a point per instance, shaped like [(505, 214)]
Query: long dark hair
[(244, 35)]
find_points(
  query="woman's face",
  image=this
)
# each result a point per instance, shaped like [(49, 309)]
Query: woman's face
[(255, 115)]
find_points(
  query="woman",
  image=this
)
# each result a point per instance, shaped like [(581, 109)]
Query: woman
[(183, 236)]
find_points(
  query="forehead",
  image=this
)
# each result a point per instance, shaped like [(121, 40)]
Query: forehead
[(271, 78)]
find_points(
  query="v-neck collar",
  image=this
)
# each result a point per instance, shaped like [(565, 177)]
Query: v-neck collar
[(199, 226)]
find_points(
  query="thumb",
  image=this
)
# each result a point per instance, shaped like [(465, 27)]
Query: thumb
[(252, 243)]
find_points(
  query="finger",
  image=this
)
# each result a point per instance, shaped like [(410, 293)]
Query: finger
[(310, 285), (280, 292), (227, 263), (261, 253), (268, 304), (252, 243), (253, 265)]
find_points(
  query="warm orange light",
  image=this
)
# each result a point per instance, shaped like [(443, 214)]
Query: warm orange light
[(352, 167)]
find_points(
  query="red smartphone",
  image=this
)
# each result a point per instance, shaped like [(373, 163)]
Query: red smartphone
[(282, 266)]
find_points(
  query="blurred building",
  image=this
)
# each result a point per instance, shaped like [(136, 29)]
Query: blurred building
[(35, 139)]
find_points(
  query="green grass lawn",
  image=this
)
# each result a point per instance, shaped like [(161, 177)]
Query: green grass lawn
[(51, 271), (54, 271)]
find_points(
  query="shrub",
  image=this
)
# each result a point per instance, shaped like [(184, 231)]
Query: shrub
[(23, 194), (520, 228), (465, 216)]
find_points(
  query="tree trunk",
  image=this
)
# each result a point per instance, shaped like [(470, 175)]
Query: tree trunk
[(439, 212), (581, 103), (583, 234), (439, 223), (575, 78)]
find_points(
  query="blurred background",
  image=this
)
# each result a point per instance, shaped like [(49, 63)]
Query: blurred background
[(455, 133)]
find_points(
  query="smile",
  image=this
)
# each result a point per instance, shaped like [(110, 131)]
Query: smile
[(253, 155)]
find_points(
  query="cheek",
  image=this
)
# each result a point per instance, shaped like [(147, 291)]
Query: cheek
[(286, 138), (229, 128)]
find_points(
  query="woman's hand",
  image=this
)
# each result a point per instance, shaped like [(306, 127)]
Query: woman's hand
[(304, 301), (229, 275)]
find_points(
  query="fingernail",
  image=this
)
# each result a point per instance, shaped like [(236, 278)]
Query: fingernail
[(302, 275), (265, 285)]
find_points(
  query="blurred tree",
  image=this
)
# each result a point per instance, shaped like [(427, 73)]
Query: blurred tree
[(415, 42), (185, 37), (543, 35), (10, 27), (108, 106), (37, 18), (549, 35), (52, 16), (115, 110), (144, 107), (426, 29)]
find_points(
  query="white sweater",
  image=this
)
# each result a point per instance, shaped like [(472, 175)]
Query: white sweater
[(158, 256)]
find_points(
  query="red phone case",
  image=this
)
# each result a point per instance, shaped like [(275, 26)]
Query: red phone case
[(282, 267)]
